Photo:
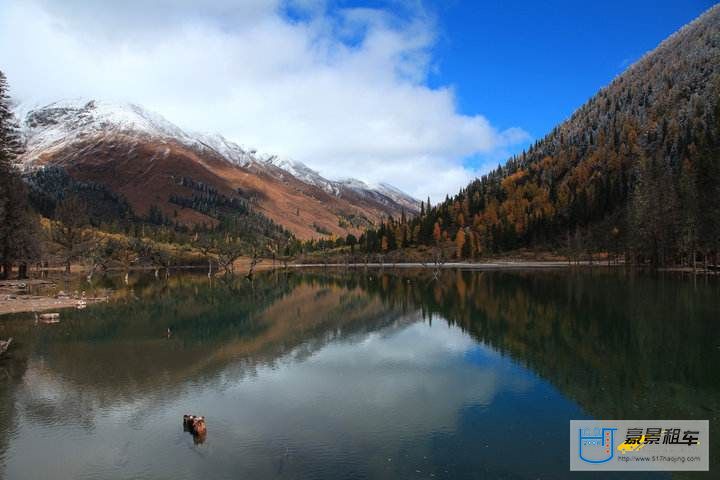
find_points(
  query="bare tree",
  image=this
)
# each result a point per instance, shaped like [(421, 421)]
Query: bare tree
[(228, 252), (97, 257), (253, 262), (127, 253), (159, 258), (207, 248), (280, 251), (438, 260), (70, 230)]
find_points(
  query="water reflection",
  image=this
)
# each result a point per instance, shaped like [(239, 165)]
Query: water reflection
[(353, 374)]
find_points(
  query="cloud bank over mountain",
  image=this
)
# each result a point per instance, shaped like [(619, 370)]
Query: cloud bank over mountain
[(345, 90)]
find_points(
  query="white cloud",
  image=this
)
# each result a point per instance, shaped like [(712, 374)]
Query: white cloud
[(343, 90)]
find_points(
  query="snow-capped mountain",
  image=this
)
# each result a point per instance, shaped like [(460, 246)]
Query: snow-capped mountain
[(91, 138), (57, 124)]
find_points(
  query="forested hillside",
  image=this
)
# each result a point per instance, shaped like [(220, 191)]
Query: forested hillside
[(48, 217), (634, 171)]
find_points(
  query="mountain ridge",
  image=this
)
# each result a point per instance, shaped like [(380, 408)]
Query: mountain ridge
[(68, 132)]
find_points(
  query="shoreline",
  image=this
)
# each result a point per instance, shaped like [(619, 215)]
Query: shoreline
[(15, 299), (497, 265), (42, 304)]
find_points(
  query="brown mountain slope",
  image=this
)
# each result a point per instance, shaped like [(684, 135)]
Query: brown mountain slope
[(146, 173)]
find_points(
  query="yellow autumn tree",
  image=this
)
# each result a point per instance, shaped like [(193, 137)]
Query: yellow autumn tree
[(437, 232), (460, 242), (384, 244)]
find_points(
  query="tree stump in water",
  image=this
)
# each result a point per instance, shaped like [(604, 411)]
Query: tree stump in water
[(195, 425)]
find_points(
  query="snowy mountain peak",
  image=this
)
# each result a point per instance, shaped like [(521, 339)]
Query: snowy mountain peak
[(83, 114), (59, 123)]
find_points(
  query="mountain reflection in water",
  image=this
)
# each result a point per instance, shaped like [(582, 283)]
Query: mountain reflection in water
[(329, 374)]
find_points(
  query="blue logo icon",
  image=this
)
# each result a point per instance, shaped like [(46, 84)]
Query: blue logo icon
[(596, 445)]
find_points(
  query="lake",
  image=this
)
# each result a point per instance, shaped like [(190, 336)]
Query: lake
[(330, 374)]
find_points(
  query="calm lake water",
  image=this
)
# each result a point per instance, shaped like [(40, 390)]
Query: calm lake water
[(337, 375)]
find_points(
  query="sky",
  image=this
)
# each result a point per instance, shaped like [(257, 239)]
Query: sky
[(425, 95)]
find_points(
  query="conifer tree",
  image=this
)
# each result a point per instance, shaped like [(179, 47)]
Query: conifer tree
[(18, 225)]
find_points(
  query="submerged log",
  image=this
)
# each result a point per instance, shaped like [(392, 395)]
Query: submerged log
[(4, 345), (49, 317)]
